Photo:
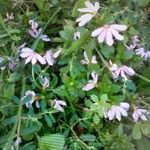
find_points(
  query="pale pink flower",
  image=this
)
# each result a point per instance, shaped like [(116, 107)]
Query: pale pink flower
[(123, 71), (107, 32), (91, 83), (140, 114), (87, 61), (135, 43), (50, 56), (76, 35), (18, 141), (90, 11), (36, 33), (1, 61), (59, 104), (118, 111), (31, 56)]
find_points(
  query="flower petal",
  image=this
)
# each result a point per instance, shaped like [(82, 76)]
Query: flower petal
[(34, 59), (84, 19), (28, 59), (102, 36), (119, 27), (40, 59), (117, 35), (97, 32), (88, 86), (109, 38)]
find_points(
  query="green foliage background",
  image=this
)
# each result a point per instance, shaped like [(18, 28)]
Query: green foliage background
[(82, 125)]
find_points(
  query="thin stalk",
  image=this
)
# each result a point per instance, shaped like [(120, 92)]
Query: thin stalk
[(38, 39), (34, 80), (102, 58), (106, 64), (10, 139), (143, 78)]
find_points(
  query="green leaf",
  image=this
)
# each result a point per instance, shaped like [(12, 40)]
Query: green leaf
[(145, 127), (51, 142), (79, 4), (9, 91), (88, 137), (136, 133), (107, 51), (96, 119), (39, 3), (48, 120), (94, 98), (104, 97)]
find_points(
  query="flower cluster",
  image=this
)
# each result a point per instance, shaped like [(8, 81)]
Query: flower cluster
[(37, 33), (117, 111), (137, 47), (32, 56), (123, 71), (90, 11)]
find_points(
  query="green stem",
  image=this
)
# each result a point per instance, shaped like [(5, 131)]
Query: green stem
[(78, 139), (106, 64), (38, 39), (12, 134), (102, 58), (143, 78), (33, 77)]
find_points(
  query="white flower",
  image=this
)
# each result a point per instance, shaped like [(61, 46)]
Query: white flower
[(123, 71), (9, 17), (58, 52), (58, 105), (76, 35), (147, 55), (1, 60), (87, 61), (34, 25), (91, 83), (140, 52), (31, 56), (118, 111), (29, 103), (45, 82), (90, 11), (106, 33), (22, 46), (50, 56), (35, 32), (139, 114), (18, 141)]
